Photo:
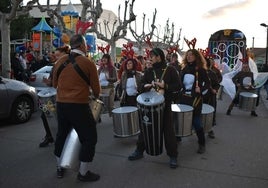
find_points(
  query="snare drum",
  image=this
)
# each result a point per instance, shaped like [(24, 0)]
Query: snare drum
[(207, 117), (151, 111), (47, 103), (96, 107), (47, 100), (183, 118), (247, 101), (126, 121)]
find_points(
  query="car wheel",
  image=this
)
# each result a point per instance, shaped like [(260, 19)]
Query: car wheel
[(21, 110)]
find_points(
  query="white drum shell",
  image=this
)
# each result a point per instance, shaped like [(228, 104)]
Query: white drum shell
[(207, 117), (247, 101), (126, 121), (70, 153), (183, 117)]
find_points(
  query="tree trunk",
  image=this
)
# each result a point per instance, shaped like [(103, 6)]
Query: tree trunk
[(113, 50), (5, 36)]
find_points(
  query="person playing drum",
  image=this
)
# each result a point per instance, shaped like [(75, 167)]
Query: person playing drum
[(244, 81), (107, 77), (165, 80), (129, 83), (210, 95), (195, 81)]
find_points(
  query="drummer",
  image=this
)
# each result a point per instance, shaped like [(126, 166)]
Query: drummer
[(244, 81), (210, 95), (107, 77), (59, 52), (195, 81), (130, 83), (165, 80)]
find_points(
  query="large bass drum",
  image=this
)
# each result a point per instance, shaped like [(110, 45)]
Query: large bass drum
[(151, 111), (183, 118), (126, 121)]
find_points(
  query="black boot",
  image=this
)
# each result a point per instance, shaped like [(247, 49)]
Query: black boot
[(211, 134), (201, 149), (201, 141), (47, 140), (253, 113)]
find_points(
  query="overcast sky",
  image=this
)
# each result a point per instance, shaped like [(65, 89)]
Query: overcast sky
[(201, 18)]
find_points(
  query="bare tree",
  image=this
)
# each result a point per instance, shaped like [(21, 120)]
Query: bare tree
[(167, 41), (105, 31), (143, 36), (5, 20)]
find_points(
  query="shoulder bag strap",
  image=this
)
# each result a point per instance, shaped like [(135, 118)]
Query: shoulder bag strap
[(79, 70), (62, 66)]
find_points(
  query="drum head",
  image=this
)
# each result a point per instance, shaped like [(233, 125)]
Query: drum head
[(124, 109), (248, 94), (181, 108), (207, 109), (48, 92), (151, 98)]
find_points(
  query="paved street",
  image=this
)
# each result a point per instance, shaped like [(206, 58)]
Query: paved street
[(236, 158)]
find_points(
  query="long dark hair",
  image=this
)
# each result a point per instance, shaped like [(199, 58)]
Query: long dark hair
[(110, 64), (158, 52)]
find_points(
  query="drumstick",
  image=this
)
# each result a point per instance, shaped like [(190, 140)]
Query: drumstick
[(196, 82)]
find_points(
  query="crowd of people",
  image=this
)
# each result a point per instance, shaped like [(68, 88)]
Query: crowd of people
[(23, 63), (193, 81)]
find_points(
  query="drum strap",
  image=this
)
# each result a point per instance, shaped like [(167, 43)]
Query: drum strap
[(162, 76), (75, 66)]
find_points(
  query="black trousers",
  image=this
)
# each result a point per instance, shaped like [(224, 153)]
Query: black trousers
[(168, 131), (46, 126), (79, 117)]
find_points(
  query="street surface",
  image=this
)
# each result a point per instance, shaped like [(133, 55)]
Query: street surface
[(236, 158)]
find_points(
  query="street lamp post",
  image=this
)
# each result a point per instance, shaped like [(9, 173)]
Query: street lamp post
[(266, 52)]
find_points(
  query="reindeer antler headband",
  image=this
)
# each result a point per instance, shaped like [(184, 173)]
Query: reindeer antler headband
[(173, 49), (190, 44), (81, 27), (206, 53), (105, 49), (128, 51)]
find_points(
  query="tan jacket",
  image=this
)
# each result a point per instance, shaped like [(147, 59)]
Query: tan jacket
[(71, 88)]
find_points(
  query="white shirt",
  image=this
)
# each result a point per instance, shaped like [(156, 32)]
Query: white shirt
[(103, 80), (131, 87)]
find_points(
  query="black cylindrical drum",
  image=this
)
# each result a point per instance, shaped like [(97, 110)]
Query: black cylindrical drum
[(151, 111)]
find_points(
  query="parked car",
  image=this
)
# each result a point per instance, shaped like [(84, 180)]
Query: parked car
[(18, 100), (36, 78)]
